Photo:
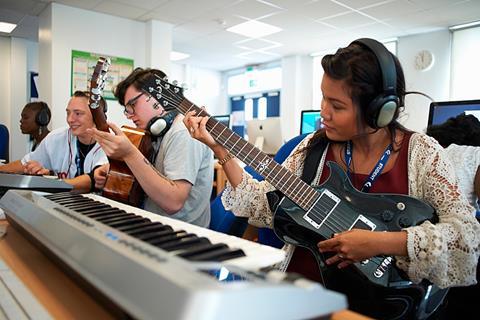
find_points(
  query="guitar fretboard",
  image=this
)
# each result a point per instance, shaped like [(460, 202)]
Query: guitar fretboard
[(281, 178)]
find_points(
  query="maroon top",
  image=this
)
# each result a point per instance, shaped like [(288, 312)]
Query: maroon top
[(393, 181)]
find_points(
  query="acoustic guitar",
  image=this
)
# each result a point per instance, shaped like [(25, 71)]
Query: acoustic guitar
[(121, 184), (305, 215)]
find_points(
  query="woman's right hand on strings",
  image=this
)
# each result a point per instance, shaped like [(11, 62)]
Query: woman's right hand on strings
[(197, 128)]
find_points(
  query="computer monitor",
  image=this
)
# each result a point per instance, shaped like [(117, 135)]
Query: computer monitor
[(310, 121), (224, 119), (442, 111), (265, 134)]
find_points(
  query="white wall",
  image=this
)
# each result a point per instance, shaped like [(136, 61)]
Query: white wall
[(17, 58), (77, 29), (5, 81), (204, 87), (434, 82), (296, 93)]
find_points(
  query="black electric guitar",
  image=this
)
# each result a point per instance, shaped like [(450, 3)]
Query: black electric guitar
[(305, 215)]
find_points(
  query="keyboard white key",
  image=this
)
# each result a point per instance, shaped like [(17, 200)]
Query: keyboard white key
[(257, 255)]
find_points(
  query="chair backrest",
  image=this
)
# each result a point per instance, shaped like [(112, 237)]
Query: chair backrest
[(4, 142)]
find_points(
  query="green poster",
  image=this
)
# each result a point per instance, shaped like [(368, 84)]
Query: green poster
[(83, 64)]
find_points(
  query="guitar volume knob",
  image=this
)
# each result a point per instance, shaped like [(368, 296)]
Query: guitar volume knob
[(405, 222), (387, 216)]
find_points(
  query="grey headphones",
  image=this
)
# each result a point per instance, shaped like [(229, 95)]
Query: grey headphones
[(381, 110)]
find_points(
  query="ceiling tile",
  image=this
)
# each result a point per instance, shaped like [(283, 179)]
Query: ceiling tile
[(392, 9), (87, 4), (257, 44), (187, 9), (292, 22), (18, 5), (350, 20), (249, 9), (119, 9), (320, 9), (11, 16), (144, 4), (358, 4)]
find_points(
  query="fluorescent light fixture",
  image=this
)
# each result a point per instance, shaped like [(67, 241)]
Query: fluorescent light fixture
[(7, 27), (254, 29), (465, 25), (175, 56)]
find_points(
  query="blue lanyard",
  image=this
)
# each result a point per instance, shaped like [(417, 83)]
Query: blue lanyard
[(78, 161), (377, 170)]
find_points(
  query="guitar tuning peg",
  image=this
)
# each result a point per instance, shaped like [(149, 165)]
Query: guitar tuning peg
[(167, 86), (176, 90), (175, 82), (165, 103), (165, 79), (150, 89), (157, 81), (159, 96), (159, 89)]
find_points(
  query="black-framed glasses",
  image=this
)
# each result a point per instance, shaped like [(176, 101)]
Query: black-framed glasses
[(129, 108)]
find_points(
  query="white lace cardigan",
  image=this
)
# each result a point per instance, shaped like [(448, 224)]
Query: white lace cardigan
[(445, 253)]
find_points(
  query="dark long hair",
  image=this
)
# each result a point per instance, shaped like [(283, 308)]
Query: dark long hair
[(358, 67)]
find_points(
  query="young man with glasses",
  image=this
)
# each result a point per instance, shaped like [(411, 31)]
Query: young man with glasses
[(70, 153), (178, 177)]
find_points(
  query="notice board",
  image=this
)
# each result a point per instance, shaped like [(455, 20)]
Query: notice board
[(83, 64)]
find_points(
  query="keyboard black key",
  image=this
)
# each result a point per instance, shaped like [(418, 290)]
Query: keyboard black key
[(109, 213), (171, 238), (166, 230), (184, 244), (125, 222), (201, 249), (151, 227), (114, 217), (135, 226), (218, 255)]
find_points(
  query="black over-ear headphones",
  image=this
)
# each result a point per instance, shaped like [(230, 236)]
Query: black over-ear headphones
[(43, 115), (159, 125), (380, 112)]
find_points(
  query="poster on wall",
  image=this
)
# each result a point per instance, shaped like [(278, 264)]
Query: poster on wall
[(83, 64)]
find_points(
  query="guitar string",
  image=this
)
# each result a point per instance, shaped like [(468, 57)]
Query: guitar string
[(178, 102)]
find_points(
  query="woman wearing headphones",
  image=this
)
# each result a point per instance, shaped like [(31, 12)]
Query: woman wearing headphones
[(363, 91), (34, 121)]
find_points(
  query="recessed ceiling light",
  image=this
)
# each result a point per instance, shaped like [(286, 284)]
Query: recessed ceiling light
[(7, 27), (254, 29), (175, 56)]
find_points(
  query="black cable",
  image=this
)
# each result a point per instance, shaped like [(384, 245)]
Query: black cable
[(420, 93)]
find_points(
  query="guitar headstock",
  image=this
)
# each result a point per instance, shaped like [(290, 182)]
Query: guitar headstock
[(98, 81), (169, 95)]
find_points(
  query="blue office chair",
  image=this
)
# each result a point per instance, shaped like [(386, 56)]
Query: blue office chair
[(4, 142)]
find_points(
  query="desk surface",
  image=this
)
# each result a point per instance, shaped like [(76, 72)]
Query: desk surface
[(57, 292)]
